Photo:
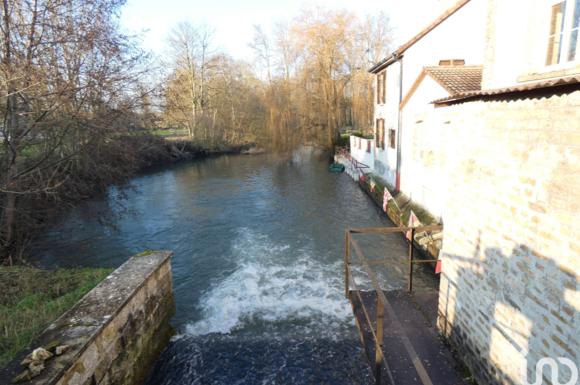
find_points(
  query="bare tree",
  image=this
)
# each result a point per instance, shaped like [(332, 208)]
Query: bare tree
[(191, 52), (263, 51), (66, 75)]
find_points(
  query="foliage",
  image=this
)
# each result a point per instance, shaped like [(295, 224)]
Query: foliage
[(30, 299), (79, 109), (211, 95), (309, 79), (400, 206), (70, 99), (362, 135), (317, 75), (344, 140)]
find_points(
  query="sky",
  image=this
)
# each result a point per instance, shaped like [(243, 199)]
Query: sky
[(233, 20)]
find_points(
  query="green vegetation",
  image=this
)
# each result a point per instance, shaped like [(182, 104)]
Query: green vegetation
[(362, 135), (344, 140), (171, 132), (401, 206), (30, 299), (145, 253)]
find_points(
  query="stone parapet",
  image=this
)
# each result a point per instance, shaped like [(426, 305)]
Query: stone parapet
[(113, 334)]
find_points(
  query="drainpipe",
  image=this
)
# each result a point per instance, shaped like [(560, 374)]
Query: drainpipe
[(399, 128)]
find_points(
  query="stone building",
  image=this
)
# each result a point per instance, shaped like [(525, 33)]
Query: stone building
[(509, 294), (481, 126)]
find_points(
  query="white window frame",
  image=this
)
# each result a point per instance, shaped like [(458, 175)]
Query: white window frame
[(563, 61)]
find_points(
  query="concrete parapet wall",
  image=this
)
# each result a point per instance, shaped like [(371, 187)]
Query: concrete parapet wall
[(114, 333)]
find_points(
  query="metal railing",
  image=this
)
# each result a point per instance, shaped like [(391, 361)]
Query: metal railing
[(383, 303), (355, 165)]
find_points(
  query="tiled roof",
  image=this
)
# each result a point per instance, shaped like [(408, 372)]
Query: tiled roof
[(457, 79), (573, 81), (444, 16)]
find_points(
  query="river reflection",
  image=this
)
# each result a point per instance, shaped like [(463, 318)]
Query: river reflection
[(258, 244)]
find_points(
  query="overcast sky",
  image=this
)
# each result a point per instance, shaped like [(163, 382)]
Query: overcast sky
[(233, 20)]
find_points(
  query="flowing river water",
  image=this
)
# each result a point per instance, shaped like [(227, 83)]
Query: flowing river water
[(258, 246)]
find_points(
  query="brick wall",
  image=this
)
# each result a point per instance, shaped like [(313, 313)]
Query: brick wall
[(511, 257)]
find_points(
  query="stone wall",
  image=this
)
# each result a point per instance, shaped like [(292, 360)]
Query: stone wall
[(113, 334), (509, 290)]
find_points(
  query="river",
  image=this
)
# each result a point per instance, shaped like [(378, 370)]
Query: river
[(258, 243)]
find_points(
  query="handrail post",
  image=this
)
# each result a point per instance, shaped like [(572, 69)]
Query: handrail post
[(411, 255), (379, 341), (346, 263)]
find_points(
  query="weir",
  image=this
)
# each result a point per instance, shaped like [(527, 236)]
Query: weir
[(397, 327)]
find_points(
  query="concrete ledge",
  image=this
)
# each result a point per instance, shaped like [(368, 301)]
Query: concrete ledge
[(114, 333)]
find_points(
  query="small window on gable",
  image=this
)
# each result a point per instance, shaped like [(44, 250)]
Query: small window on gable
[(563, 34), (392, 138), (452, 62)]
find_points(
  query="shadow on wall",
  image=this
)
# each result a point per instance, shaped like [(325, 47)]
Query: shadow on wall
[(506, 313)]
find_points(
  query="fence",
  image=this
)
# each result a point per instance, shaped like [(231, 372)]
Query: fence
[(358, 168), (383, 306)]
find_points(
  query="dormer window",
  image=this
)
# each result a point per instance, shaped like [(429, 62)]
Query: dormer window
[(563, 38)]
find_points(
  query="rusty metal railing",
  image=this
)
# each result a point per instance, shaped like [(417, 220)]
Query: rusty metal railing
[(383, 305)]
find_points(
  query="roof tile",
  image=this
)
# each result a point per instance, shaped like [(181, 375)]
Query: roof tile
[(532, 86), (457, 79)]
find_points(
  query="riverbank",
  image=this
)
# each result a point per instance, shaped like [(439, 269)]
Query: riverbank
[(398, 207), (115, 164), (31, 299), (279, 280)]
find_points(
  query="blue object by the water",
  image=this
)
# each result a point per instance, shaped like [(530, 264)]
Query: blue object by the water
[(258, 244), (336, 167)]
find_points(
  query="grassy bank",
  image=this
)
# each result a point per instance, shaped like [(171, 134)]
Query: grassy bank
[(30, 299)]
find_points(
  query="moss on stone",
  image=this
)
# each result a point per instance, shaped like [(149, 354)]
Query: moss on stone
[(146, 253), (401, 206)]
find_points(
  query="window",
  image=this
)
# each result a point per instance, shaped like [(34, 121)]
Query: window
[(392, 138), (563, 37), (452, 62), (381, 87), (380, 133), (368, 146)]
